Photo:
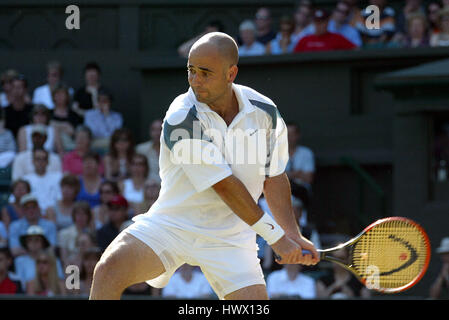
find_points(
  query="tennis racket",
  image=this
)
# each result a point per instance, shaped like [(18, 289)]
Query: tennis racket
[(390, 255)]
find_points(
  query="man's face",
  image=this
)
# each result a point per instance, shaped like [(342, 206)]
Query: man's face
[(208, 74), (31, 211), (341, 12), (117, 214), (53, 76), (92, 76), (18, 89), (40, 161), (302, 16), (34, 243), (104, 103), (248, 36)]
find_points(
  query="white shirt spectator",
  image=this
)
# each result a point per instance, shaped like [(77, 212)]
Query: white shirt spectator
[(46, 188), (304, 160), (23, 164), (256, 49), (279, 284), (178, 287), (43, 95)]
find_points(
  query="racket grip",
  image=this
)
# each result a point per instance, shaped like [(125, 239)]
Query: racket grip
[(278, 257)]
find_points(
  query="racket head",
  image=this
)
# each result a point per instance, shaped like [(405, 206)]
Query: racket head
[(391, 255)]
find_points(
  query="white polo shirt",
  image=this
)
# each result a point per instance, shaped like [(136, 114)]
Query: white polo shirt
[(198, 150)]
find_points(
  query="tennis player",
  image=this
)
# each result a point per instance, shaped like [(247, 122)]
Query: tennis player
[(207, 214)]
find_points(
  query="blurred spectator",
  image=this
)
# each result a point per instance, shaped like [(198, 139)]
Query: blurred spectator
[(90, 259), (3, 235), (339, 24), (8, 147), (43, 94), (61, 212), (102, 121), (354, 15), (250, 46), (440, 287), (433, 17), (283, 42), (40, 116), (6, 96), (151, 193), (13, 210), (118, 214), (441, 39), (23, 163), (151, 149), (303, 19), (90, 180), (187, 283), (86, 97), (82, 222), (33, 241), (18, 112), (340, 283), (31, 216), (46, 283), (322, 39), (7, 285), (416, 35), (64, 120), (300, 168), (378, 37), (411, 7), (212, 26), (132, 188), (121, 150), (290, 282), (108, 189), (44, 184), (264, 26)]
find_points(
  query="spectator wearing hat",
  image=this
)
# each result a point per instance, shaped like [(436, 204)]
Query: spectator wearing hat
[(40, 116), (32, 216), (250, 46), (44, 184), (33, 241), (13, 210), (118, 214), (322, 39), (18, 112), (7, 284), (441, 39), (440, 287), (86, 97)]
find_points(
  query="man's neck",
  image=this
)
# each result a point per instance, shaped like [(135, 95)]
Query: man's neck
[(227, 107)]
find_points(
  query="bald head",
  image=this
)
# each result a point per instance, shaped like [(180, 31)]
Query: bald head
[(219, 42)]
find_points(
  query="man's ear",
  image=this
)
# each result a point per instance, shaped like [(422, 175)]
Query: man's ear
[(232, 74)]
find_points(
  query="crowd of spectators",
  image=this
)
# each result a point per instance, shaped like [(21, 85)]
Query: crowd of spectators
[(346, 26)]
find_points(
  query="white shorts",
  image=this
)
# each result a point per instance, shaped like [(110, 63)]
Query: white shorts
[(226, 267)]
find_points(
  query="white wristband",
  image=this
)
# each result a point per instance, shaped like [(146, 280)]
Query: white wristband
[(268, 229)]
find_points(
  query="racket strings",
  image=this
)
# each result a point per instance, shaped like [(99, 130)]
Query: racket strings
[(390, 255)]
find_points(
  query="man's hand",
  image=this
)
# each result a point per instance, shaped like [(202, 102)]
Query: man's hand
[(289, 248)]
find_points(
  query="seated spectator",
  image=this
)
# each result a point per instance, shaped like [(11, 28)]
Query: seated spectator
[(441, 39), (354, 15), (86, 97), (84, 242), (23, 163), (43, 94), (151, 149), (322, 39), (40, 116), (90, 180), (13, 210), (339, 24), (378, 37), (283, 42), (440, 286), (250, 46), (340, 283), (102, 121), (7, 285), (61, 212), (132, 188), (411, 7), (18, 112), (150, 195), (417, 34), (82, 222), (46, 282), (33, 241), (3, 235), (121, 151), (8, 147), (90, 259), (212, 26), (64, 120), (108, 189), (44, 185), (291, 282), (118, 215), (6, 79), (188, 283), (264, 26), (303, 21), (31, 216), (433, 17)]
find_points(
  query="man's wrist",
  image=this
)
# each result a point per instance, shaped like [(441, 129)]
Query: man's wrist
[(268, 229)]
